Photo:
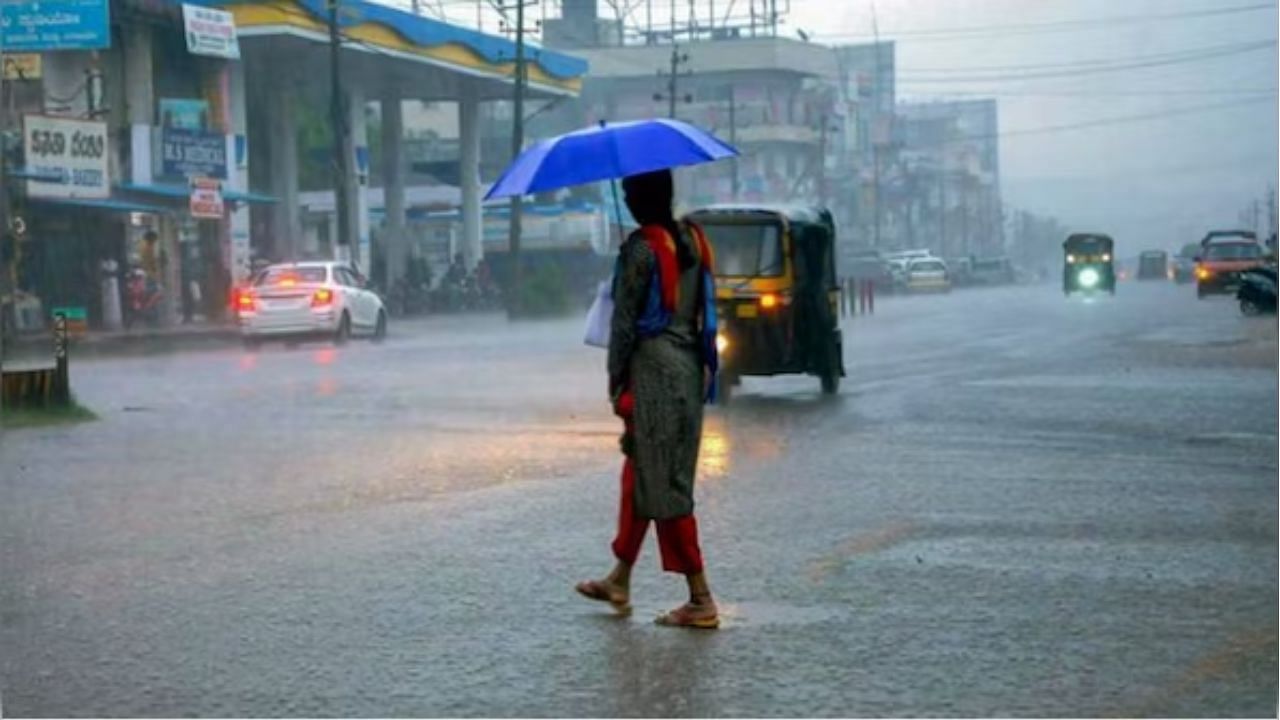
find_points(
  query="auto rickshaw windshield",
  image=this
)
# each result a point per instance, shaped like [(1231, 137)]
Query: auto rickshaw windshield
[(747, 250)]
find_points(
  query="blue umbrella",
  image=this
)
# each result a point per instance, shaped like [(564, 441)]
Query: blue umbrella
[(608, 152)]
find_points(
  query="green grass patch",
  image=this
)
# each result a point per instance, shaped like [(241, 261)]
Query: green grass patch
[(16, 418)]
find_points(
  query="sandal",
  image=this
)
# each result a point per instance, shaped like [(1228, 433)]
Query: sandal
[(605, 592), (701, 617)]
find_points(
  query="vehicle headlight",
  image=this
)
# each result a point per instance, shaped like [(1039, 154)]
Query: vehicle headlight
[(1071, 259), (722, 342), (1088, 277)]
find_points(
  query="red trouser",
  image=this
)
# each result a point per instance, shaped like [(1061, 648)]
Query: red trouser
[(677, 537)]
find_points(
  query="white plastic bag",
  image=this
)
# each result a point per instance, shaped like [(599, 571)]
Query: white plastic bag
[(600, 316)]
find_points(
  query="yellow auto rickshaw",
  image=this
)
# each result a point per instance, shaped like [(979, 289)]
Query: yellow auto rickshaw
[(777, 294)]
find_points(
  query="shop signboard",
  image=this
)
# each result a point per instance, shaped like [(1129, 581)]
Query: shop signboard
[(210, 32), (22, 66), (184, 113), (74, 151), (206, 199), (193, 153), (48, 25)]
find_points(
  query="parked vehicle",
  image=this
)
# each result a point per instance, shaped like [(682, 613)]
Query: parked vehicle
[(310, 299), (993, 271), (776, 292), (928, 274), (1257, 293)]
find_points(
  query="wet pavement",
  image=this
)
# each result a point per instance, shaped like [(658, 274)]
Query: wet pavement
[(1018, 505)]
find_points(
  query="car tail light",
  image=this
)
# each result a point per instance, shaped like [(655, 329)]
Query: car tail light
[(245, 301), (768, 301), (1203, 273), (322, 298)]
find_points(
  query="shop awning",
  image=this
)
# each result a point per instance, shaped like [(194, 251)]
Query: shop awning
[(109, 204), (182, 192)]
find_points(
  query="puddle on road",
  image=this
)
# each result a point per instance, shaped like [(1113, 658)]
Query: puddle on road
[(759, 614)]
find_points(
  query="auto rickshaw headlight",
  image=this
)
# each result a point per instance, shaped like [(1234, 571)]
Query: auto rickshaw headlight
[(722, 342), (1088, 277), (768, 301)]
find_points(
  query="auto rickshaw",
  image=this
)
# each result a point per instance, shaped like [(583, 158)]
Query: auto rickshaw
[(1088, 264), (777, 294)]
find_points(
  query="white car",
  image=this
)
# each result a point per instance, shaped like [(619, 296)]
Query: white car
[(309, 299), (928, 274)]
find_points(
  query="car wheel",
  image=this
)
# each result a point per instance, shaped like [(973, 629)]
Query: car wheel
[(1249, 308), (380, 330), (343, 333), (1200, 293)]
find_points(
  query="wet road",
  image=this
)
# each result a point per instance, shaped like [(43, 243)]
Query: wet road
[(1016, 506)]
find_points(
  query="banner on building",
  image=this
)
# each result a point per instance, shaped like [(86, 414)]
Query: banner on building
[(210, 32), (193, 153), (55, 25), (184, 113), (206, 199), (22, 66), (74, 151)]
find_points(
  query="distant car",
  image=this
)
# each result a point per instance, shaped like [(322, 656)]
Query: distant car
[(1184, 263), (927, 275), (309, 299), (993, 271), (1153, 265), (1220, 262)]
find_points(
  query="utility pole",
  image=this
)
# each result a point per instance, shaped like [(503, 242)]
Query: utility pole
[(733, 137), (515, 305), (338, 119), (875, 118), (673, 80)]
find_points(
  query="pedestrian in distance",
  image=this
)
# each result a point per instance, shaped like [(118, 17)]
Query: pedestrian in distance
[(662, 365)]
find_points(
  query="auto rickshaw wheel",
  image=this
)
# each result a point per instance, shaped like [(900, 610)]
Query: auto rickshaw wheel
[(831, 375), (724, 388)]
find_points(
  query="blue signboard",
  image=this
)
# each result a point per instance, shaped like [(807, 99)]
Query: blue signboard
[(44, 25), (193, 153)]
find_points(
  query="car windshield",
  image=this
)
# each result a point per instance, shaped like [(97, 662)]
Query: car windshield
[(286, 276), (928, 266), (1233, 251), (746, 250)]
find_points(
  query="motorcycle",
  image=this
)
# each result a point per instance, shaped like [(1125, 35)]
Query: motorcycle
[(1257, 292), (142, 300)]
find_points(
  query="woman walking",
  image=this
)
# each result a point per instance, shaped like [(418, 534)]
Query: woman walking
[(662, 365)]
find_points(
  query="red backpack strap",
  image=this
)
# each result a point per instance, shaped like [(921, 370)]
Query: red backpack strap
[(664, 249)]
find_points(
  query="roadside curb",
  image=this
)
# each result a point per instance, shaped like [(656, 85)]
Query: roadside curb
[(147, 343)]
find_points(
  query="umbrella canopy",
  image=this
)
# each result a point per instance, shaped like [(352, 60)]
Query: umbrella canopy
[(608, 152)]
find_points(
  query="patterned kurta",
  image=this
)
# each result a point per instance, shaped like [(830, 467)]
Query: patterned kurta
[(665, 373)]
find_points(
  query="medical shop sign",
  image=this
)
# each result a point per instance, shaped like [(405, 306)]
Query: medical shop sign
[(71, 154), (206, 199), (193, 153)]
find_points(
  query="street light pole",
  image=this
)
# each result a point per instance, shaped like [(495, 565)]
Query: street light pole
[(338, 119), (516, 302), (733, 137)]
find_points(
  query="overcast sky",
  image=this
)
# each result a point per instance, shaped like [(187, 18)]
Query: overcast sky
[(1161, 181)]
